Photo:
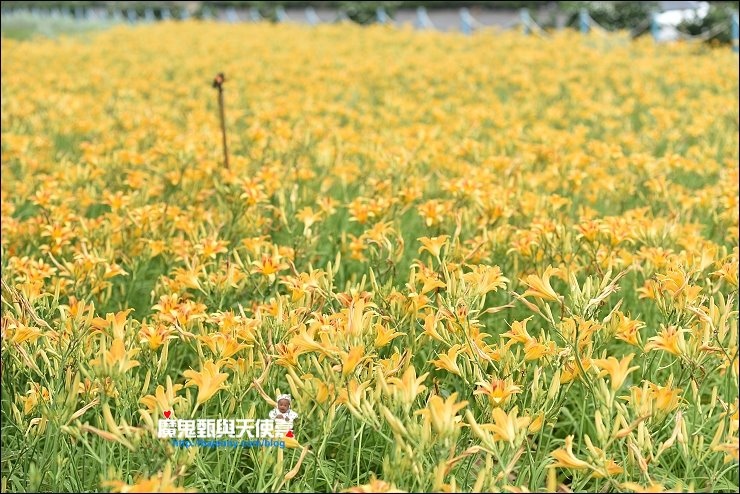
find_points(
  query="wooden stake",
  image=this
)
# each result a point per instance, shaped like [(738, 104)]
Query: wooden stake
[(218, 83)]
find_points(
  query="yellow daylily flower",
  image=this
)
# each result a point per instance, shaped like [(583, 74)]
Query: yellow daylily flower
[(433, 245), (652, 399), (628, 329), (670, 339), (534, 349), (618, 370), (518, 332), (351, 359), (566, 459), (430, 327), (506, 427), (209, 380), (539, 287), (117, 359), (163, 399), (448, 361), (117, 323), (443, 413), (385, 335), (223, 346), (485, 279), (409, 386)]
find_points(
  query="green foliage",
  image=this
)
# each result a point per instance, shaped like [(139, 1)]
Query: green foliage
[(716, 24), (366, 12), (612, 15), (293, 4)]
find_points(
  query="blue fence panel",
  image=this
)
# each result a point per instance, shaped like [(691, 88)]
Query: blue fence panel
[(583, 21), (231, 15), (281, 14), (422, 19), (311, 16), (654, 27), (382, 16), (525, 19), (466, 21)]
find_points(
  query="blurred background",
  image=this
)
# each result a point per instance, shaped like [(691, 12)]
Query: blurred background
[(713, 22)]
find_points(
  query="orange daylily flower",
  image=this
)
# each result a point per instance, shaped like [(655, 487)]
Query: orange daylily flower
[(535, 349), (155, 335), (628, 329), (670, 339), (162, 482), (224, 346), (498, 390), (375, 485), (351, 359)]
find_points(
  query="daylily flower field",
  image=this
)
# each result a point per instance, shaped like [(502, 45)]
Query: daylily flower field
[(487, 263)]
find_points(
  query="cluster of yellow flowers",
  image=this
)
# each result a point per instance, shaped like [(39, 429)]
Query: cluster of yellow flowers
[(511, 262)]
